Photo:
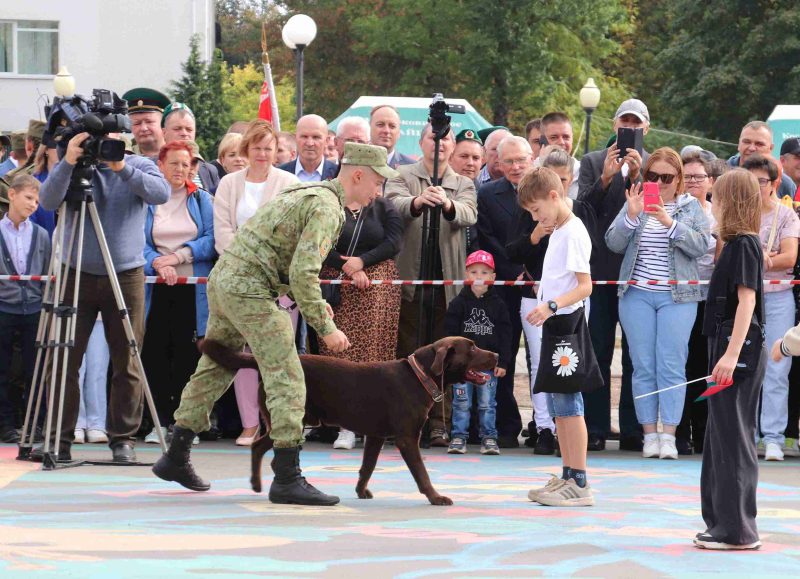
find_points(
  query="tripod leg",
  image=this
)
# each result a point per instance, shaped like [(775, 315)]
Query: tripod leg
[(126, 322)]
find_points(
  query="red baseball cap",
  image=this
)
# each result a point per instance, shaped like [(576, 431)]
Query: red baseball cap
[(480, 256)]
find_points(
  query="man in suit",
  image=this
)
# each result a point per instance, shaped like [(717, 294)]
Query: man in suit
[(311, 135), (498, 213), (491, 137), (178, 123), (351, 130), (384, 126), (603, 180)]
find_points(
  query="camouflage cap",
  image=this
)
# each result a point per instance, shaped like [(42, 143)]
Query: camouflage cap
[(468, 135), (18, 140), (36, 129), (371, 156)]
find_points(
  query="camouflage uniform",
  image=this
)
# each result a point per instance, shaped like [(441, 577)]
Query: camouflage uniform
[(279, 251)]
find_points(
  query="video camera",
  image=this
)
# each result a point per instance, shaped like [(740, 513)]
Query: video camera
[(99, 115), (438, 117)]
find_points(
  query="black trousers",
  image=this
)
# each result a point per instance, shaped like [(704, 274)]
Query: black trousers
[(170, 353), (794, 401), (508, 421), (603, 320), (729, 474), (20, 328), (695, 414)]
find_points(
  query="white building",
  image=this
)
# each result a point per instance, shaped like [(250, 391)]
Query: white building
[(109, 44)]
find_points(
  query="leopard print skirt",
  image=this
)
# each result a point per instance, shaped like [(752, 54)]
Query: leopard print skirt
[(368, 317)]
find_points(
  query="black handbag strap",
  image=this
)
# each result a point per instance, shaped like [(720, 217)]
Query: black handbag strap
[(356, 234)]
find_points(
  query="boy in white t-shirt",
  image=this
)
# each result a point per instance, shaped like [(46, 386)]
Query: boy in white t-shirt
[(565, 284)]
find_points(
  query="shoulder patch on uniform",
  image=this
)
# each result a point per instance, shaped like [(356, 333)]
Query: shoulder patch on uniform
[(324, 248)]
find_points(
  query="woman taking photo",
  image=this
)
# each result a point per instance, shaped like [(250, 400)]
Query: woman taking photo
[(179, 241), (660, 241), (367, 314), (780, 229), (239, 195)]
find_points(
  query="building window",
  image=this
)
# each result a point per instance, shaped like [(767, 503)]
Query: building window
[(29, 47)]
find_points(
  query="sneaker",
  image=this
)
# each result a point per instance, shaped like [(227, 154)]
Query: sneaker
[(439, 438), (706, 541), (554, 483), (152, 438), (790, 448), (345, 441), (94, 436), (489, 446), (652, 447), (567, 495), (458, 446), (773, 452), (80, 436), (684, 446), (546, 444), (668, 449), (195, 441)]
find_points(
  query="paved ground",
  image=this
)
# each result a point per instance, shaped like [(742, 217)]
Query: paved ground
[(121, 522)]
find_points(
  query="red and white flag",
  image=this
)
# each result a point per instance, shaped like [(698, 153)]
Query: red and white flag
[(268, 104)]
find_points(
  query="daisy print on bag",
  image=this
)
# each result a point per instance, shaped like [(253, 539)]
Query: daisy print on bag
[(565, 359)]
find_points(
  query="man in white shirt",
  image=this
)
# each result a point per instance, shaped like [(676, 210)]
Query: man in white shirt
[(310, 165)]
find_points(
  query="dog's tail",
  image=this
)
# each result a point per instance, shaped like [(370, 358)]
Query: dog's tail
[(227, 357)]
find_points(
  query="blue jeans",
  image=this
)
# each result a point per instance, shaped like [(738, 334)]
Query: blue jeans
[(658, 333), (462, 404), (564, 405), (779, 307), (93, 379)]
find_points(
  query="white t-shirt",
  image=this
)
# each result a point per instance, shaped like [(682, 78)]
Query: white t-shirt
[(249, 202), (568, 253)]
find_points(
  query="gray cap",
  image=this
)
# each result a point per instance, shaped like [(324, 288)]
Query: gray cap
[(634, 107)]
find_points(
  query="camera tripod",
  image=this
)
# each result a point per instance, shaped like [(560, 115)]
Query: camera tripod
[(55, 335)]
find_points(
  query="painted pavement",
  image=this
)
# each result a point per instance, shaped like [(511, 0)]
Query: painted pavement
[(121, 522)]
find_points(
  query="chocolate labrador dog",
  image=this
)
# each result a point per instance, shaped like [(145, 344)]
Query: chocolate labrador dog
[(377, 400)]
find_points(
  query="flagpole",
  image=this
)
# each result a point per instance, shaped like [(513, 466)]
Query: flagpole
[(671, 387), (273, 101)]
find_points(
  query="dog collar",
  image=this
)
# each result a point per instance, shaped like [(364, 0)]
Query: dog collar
[(427, 381)]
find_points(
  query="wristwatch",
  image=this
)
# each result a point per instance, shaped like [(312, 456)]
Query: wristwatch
[(553, 306)]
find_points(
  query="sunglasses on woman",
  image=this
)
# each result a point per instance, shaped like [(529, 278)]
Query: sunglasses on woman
[(665, 178)]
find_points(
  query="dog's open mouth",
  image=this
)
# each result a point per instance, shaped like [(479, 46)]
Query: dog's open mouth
[(476, 377)]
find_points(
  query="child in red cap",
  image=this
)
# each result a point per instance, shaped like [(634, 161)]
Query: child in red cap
[(479, 314)]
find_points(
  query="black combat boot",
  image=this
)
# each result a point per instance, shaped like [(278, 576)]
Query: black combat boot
[(289, 487), (176, 466)]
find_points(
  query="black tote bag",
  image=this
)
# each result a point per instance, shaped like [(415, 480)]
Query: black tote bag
[(567, 363)]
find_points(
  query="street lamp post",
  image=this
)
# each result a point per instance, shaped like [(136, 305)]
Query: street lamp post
[(589, 98), (64, 83), (298, 32)]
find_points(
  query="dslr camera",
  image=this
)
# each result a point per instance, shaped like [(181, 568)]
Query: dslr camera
[(99, 115)]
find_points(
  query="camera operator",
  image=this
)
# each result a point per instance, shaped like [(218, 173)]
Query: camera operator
[(122, 190)]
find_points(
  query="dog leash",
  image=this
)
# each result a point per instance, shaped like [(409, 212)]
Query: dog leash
[(426, 381)]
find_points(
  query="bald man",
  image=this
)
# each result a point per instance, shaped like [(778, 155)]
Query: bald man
[(310, 165)]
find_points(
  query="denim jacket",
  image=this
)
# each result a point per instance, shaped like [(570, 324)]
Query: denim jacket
[(689, 241)]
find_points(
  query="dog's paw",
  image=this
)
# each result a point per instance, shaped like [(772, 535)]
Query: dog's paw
[(364, 493), (441, 501), (255, 482)]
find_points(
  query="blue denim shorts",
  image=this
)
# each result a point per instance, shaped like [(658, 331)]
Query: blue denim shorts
[(564, 405)]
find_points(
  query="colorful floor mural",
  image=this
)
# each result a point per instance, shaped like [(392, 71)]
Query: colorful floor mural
[(121, 522)]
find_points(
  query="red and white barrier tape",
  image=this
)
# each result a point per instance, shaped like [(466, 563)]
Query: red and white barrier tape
[(437, 282)]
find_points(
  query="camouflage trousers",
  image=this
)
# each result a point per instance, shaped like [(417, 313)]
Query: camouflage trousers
[(233, 321)]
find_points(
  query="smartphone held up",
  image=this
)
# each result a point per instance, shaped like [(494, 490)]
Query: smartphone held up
[(628, 138), (651, 195)]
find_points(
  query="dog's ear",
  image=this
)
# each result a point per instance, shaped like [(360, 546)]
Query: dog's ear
[(437, 368)]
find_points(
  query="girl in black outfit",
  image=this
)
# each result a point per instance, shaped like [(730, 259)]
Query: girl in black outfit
[(734, 325)]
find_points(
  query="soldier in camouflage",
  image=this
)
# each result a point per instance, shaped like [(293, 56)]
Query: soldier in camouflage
[(279, 251)]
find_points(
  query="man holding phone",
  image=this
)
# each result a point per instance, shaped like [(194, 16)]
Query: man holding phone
[(604, 178)]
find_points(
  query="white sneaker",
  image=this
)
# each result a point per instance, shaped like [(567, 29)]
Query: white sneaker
[(195, 440), (346, 440), (773, 451), (668, 449), (651, 448), (152, 438), (94, 435), (80, 436), (567, 495)]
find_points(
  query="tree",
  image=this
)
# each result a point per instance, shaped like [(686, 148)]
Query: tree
[(201, 89), (242, 90)]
